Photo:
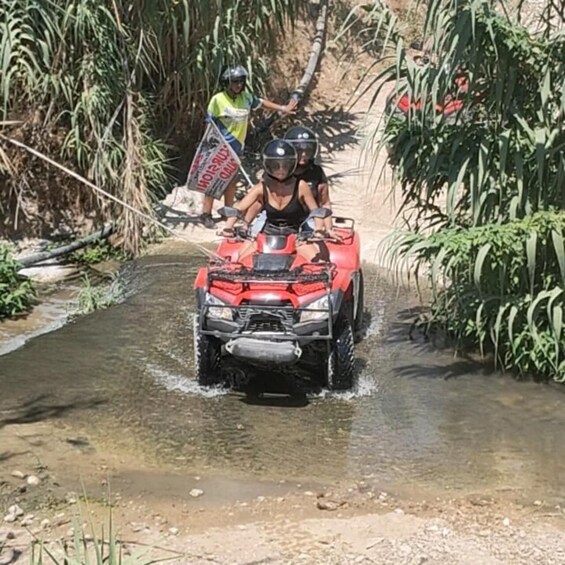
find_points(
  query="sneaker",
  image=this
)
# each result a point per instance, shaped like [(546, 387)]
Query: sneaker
[(207, 220)]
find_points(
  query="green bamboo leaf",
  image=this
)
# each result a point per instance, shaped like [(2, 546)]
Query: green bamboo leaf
[(531, 251), (479, 262), (497, 329), (559, 248)]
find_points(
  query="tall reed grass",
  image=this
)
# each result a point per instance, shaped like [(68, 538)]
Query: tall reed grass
[(107, 84), (483, 192)]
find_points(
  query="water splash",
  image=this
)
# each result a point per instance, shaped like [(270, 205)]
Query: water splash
[(377, 325), (176, 382)]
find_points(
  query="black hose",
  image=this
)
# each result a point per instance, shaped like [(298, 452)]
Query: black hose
[(306, 80), (63, 250)]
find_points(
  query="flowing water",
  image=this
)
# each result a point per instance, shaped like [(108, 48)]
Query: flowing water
[(417, 416)]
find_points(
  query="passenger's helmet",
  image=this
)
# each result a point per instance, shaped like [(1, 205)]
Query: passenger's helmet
[(234, 73), (304, 140), (279, 159)]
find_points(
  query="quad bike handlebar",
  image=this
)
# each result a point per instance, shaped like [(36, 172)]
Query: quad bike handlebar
[(239, 233)]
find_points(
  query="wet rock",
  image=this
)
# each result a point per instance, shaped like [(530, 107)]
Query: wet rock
[(18, 474), (8, 556), (14, 512), (329, 504), (15, 509), (33, 481), (9, 518), (5, 535), (27, 520), (196, 492)]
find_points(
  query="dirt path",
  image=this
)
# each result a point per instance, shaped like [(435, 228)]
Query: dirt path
[(360, 181)]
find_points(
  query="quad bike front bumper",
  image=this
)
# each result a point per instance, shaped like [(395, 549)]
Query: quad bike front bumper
[(261, 351)]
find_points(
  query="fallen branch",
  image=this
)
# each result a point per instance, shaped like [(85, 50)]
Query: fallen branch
[(91, 185)]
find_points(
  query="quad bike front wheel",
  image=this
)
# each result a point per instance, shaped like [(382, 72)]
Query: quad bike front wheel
[(340, 363), (207, 357)]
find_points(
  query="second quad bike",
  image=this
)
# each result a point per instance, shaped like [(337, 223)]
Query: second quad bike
[(274, 309)]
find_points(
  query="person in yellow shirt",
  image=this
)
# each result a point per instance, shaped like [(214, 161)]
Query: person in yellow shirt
[(229, 110)]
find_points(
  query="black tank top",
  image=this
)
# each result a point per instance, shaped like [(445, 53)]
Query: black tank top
[(314, 176), (293, 214)]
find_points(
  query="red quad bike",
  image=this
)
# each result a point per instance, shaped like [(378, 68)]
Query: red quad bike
[(273, 308), (449, 107)]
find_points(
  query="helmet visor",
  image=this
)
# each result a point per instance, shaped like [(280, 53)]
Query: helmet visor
[(306, 149), (280, 168)]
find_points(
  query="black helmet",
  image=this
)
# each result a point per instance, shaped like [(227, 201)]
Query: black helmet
[(304, 141), (279, 155), (233, 73)]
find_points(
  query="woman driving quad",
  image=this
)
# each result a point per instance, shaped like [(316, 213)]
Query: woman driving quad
[(284, 199)]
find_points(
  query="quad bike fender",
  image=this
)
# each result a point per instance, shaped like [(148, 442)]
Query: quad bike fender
[(346, 289), (346, 255), (201, 278), (229, 248)]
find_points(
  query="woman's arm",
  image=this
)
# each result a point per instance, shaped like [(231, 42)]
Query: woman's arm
[(307, 199), (324, 199)]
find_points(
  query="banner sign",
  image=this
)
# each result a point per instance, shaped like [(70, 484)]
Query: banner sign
[(214, 166)]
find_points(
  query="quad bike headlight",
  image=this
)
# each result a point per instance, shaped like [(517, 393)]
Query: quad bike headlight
[(217, 309), (317, 310)]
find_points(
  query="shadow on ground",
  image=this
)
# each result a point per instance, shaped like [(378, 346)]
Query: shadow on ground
[(44, 407)]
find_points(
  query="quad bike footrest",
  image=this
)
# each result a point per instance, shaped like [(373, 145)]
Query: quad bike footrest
[(264, 352)]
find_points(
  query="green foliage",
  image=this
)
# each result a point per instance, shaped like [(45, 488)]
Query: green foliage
[(112, 75), (93, 297), (500, 287), (16, 292), (98, 252), (483, 192)]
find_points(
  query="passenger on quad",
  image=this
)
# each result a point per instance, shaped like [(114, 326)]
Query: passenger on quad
[(283, 198), (305, 141)]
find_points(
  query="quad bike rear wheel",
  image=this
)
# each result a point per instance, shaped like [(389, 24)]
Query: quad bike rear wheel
[(207, 357), (340, 363)]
